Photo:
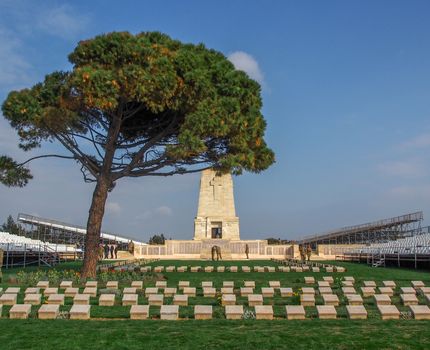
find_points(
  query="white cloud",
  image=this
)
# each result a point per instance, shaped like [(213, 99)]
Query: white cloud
[(245, 62), (164, 211), (62, 21), (420, 141), (411, 168), (113, 208), (14, 68)]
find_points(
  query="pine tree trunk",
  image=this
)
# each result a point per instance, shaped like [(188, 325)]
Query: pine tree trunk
[(94, 225)]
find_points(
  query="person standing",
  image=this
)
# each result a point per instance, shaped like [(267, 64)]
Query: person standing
[(116, 251), (247, 251), (112, 249), (101, 251), (106, 251), (309, 252)]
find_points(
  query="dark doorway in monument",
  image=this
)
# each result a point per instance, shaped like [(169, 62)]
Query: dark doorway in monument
[(216, 230)]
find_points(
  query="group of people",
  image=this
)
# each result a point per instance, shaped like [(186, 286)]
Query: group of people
[(108, 251), (305, 252)]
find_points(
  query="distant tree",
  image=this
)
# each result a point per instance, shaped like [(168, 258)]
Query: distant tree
[(139, 105), (11, 226), (157, 240)]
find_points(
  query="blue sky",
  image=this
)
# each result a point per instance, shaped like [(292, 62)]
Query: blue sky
[(346, 87)]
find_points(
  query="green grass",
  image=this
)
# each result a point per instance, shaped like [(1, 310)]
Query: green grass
[(110, 327)]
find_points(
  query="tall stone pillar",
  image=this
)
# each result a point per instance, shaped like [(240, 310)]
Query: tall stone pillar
[(216, 215)]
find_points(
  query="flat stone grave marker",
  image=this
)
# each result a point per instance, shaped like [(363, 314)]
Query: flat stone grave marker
[(209, 269), (309, 280), (328, 279), (367, 291), (80, 312), (349, 290), (131, 299), (137, 284), (286, 292), (408, 290), (315, 269), (155, 299), (92, 291), (420, 312), (409, 299), (307, 300), (107, 300), (169, 312), (244, 291), (348, 283), (340, 269), (170, 269), (299, 269), (81, 299), (220, 268), (425, 290), (330, 299), (295, 312), (139, 312), (354, 299), (323, 284), (91, 284), (8, 299), (228, 284), (268, 292), (20, 311), (255, 299), (181, 269), (112, 285), (250, 284), (158, 269), (32, 299), (233, 312), (356, 312), (391, 284), (56, 299), (308, 290), (203, 312), (180, 299), (382, 299), (329, 269), (66, 284), (195, 268), (369, 284), (50, 290), (264, 312), (417, 284), (349, 278), (246, 269), (42, 284), (305, 268), (207, 284), (326, 312), (190, 291), (161, 284), (129, 290), (12, 290), (427, 296), (182, 284), (389, 312), (71, 292), (227, 290), (32, 290), (386, 290), (169, 292), (271, 269), (209, 292), (228, 299), (151, 290), (145, 269), (325, 290), (275, 284), (48, 312)]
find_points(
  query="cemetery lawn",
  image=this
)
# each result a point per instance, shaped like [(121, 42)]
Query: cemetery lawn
[(110, 327)]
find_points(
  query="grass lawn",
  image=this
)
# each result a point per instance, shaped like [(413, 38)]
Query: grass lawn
[(110, 327)]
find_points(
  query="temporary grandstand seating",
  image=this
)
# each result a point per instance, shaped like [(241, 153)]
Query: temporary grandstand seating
[(418, 244), (10, 242)]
